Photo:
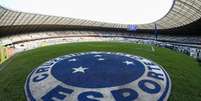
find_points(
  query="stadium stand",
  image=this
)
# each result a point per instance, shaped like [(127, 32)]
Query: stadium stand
[(183, 18), (34, 40), (178, 30), (181, 14)]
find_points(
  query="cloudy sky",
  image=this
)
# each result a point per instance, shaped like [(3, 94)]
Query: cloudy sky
[(113, 11)]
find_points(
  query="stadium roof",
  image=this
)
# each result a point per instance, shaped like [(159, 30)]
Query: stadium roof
[(183, 12), (111, 11)]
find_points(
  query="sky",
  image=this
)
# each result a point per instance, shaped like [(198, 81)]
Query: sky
[(111, 11)]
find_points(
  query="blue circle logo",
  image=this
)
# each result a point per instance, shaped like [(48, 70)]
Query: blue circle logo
[(97, 71), (97, 76)]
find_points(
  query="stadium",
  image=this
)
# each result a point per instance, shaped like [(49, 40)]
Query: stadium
[(54, 58)]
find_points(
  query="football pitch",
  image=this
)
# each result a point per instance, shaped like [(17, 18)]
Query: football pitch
[(184, 71)]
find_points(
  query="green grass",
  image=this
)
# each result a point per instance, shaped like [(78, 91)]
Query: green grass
[(185, 72)]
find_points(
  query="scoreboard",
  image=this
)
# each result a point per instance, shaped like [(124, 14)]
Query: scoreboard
[(132, 27)]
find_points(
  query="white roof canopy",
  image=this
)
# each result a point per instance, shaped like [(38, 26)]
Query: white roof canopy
[(110, 11)]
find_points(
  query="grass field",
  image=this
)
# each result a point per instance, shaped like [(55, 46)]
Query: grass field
[(185, 72)]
